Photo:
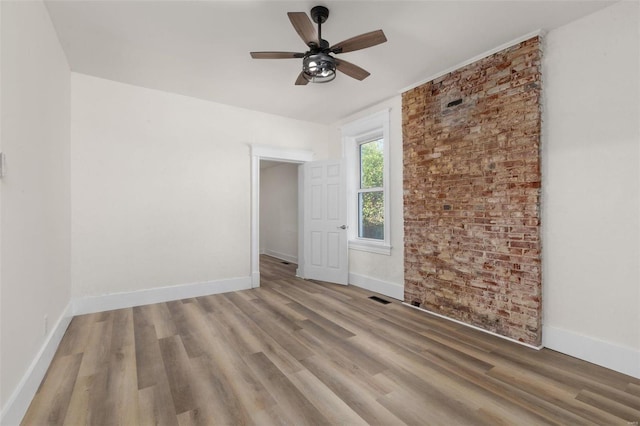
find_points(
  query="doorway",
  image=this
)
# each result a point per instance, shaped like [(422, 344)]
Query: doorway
[(279, 210), (260, 153)]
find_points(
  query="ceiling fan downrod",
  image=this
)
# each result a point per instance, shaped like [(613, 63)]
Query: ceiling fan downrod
[(320, 14)]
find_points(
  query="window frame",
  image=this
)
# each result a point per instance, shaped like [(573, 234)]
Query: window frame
[(354, 134)]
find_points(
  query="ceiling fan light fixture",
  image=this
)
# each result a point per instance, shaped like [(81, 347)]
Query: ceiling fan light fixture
[(319, 68)]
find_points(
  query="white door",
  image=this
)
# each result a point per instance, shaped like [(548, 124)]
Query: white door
[(324, 217)]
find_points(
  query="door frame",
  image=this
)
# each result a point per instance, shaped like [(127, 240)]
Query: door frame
[(272, 153)]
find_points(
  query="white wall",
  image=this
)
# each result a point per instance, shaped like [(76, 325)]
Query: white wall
[(380, 272), (279, 211), (263, 230), (35, 222), (161, 185), (591, 176)]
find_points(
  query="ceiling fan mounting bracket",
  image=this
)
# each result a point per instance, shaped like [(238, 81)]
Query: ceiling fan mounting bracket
[(319, 14)]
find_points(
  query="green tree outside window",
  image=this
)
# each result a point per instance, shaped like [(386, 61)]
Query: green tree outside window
[(371, 197)]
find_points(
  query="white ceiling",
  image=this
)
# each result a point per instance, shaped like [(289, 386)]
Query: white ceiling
[(201, 48)]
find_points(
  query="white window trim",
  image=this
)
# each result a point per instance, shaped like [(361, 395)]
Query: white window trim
[(366, 129)]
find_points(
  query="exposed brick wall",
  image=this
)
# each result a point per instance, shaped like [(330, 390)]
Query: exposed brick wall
[(472, 193)]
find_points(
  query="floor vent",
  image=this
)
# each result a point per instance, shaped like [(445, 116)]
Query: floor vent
[(379, 300), (285, 263)]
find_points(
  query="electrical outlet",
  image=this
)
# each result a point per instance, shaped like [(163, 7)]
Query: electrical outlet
[(46, 325)]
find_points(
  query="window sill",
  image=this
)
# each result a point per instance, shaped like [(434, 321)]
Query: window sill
[(370, 246)]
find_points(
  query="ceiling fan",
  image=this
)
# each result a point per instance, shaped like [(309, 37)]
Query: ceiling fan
[(318, 65)]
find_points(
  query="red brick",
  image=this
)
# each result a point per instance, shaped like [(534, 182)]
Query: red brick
[(479, 261)]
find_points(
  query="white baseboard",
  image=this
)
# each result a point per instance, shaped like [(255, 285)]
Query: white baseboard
[(18, 403), (255, 279), (109, 302), (383, 287), (281, 256), (606, 354)]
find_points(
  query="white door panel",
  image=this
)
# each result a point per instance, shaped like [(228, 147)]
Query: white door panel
[(325, 240)]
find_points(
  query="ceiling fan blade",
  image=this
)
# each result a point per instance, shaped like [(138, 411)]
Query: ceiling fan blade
[(304, 27), (360, 42), (301, 81), (276, 55), (351, 70)]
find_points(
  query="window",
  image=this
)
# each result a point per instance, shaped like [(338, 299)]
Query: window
[(366, 149), (371, 190)]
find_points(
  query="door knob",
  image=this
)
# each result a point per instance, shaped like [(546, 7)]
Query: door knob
[(342, 227)]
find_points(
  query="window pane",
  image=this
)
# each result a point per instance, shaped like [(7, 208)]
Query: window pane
[(371, 164), (371, 215)]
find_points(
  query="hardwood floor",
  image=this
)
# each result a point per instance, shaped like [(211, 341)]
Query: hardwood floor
[(301, 352)]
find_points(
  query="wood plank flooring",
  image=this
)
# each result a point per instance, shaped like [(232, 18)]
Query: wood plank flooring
[(301, 352)]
